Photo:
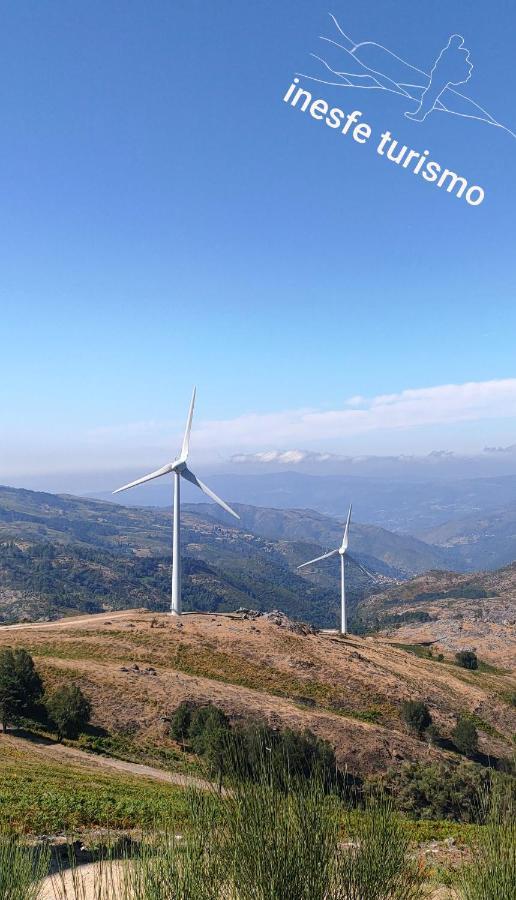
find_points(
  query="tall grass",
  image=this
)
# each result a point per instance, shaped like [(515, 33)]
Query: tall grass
[(492, 873), (180, 867), (282, 842), (22, 869), (378, 865)]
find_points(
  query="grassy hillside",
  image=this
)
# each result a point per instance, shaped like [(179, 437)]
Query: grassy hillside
[(348, 691)]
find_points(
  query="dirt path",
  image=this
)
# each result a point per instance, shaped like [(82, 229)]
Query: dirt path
[(72, 620), (66, 755)]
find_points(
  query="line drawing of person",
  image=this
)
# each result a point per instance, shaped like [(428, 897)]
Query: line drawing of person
[(452, 67)]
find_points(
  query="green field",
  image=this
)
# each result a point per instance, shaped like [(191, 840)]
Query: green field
[(48, 798)]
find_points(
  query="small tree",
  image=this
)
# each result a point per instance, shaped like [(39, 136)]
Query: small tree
[(465, 737), (206, 722), (467, 659), (416, 715), (20, 684), (180, 721), (69, 710)]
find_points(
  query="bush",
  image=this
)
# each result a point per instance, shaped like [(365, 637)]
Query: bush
[(68, 710), (206, 725), (20, 684), (190, 866), (181, 721), (248, 750), (466, 659), (439, 791), (282, 754), (465, 737), (263, 843), (416, 715), (378, 865), (283, 842)]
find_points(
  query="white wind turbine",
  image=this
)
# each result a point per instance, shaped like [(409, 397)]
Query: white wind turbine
[(179, 470), (341, 551)]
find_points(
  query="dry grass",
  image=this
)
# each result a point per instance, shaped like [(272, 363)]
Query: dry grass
[(347, 691)]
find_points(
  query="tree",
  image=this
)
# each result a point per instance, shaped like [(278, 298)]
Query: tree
[(206, 722), (20, 684), (181, 721), (69, 710), (416, 715), (467, 659), (465, 737)]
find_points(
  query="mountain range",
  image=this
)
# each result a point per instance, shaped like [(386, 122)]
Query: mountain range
[(407, 505), (63, 554)]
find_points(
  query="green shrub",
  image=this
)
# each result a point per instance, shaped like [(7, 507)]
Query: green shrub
[(181, 720), (465, 737), (492, 874), (22, 869), (378, 864), (466, 659), (283, 842), (245, 750), (416, 715), (438, 791), (190, 866)]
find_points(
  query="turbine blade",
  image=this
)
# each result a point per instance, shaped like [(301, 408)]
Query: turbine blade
[(208, 491), (318, 558), (186, 440), (157, 474), (345, 539)]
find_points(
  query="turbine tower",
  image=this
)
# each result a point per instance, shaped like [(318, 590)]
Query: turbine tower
[(341, 551), (179, 470)]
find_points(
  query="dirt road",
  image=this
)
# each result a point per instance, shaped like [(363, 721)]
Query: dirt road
[(55, 752)]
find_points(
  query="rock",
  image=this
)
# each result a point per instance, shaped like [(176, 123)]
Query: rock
[(276, 617)]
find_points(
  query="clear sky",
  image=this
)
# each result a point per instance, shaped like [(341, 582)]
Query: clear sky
[(166, 219)]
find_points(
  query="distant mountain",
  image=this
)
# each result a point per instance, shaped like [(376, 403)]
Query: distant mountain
[(402, 505), (481, 540), (402, 555), (63, 554)]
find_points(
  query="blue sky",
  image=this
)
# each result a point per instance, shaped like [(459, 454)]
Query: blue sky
[(166, 219)]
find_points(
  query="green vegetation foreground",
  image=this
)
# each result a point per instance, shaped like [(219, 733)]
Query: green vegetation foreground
[(261, 841)]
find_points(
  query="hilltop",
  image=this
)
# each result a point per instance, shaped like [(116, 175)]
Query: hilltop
[(136, 667)]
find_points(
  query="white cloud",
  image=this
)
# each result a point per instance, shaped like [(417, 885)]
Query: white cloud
[(368, 422), (412, 408)]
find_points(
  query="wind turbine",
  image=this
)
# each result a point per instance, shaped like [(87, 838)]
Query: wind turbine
[(341, 551), (179, 470)]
